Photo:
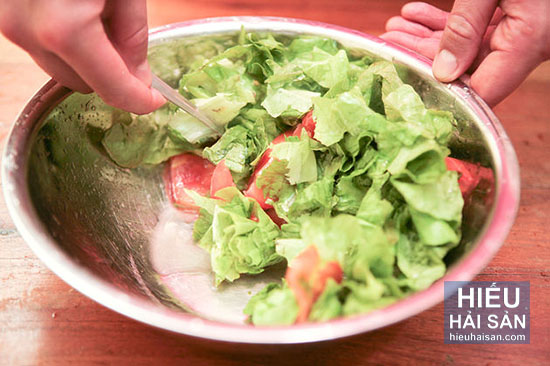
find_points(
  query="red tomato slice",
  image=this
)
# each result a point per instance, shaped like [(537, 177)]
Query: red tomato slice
[(307, 276), (276, 219), (309, 124), (221, 178), (188, 171), (253, 190), (282, 137), (471, 175)]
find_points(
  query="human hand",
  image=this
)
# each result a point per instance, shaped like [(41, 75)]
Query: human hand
[(86, 45), (498, 42)]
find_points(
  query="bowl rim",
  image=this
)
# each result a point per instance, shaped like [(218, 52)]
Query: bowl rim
[(35, 234)]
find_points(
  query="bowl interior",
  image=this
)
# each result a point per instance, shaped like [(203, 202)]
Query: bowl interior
[(117, 224)]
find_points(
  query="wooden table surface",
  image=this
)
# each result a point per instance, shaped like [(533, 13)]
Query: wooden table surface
[(44, 321)]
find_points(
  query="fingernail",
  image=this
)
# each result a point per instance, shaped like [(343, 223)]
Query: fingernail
[(445, 65)]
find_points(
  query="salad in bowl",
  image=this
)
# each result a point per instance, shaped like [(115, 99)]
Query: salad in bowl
[(327, 162)]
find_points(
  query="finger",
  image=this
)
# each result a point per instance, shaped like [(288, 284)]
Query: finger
[(60, 71), (400, 24), (128, 31), (102, 68), (50, 63), (497, 16), (425, 46), (500, 73), (484, 49), (425, 14), (464, 31)]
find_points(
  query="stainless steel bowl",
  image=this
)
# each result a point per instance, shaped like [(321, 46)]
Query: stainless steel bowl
[(91, 222)]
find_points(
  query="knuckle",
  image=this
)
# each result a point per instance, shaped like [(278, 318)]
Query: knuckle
[(135, 38), (463, 28)]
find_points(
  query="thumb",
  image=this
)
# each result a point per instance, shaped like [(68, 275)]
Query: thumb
[(464, 31), (128, 30)]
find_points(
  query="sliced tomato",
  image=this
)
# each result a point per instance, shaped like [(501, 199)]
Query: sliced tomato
[(309, 124), (221, 178), (282, 137), (276, 219), (253, 217), (253, 191), (471, 175), (188, 171), (307, 276)]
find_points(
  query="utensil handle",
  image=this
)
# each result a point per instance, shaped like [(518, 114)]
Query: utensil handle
[(173, 96)]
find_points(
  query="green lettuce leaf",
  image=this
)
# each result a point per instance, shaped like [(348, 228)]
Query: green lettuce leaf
[(328, 305), (299, 158), (273, 305), (288, 102), (306, 44), (365, 297), (419, 263), (143, 140), (239, 245), (326, 69), (236, 147), (441, 199)]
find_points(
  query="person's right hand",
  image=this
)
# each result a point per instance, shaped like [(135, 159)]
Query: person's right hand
[(86, 45), (498, 42)]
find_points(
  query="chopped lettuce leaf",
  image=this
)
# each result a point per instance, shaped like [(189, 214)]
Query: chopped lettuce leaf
[(142, 140), (441, 199), (288, 102), (220, 108), (324, 68), (336, 116), (299, 157), (306, 44), (187, 128), (419, 263), (433, 231), (235, 147), (273, 305), (328, 305), (239, 244)]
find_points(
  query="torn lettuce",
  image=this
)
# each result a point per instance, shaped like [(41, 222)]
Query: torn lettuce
[(237, 243)]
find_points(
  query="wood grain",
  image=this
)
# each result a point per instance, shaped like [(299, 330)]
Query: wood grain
[(45, 322)]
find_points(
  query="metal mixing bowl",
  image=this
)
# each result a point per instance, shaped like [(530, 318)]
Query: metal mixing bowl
[(91, 221)]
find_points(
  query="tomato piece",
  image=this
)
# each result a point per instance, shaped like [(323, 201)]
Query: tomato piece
[(276, 219), (188, 171), (253, 191), (471, 175), (309, 124), (221, 178), (282, 137), (254, 218), (307, 276), (332, 270)]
